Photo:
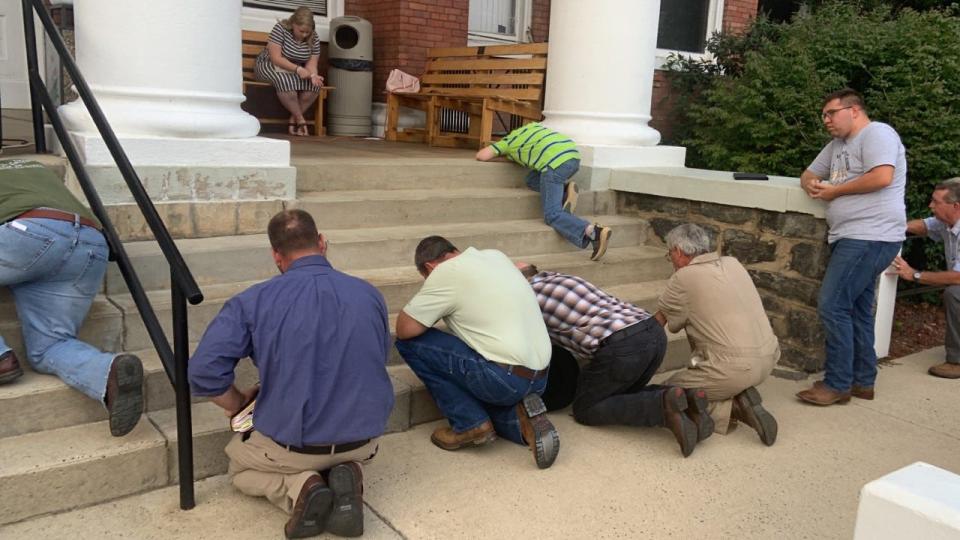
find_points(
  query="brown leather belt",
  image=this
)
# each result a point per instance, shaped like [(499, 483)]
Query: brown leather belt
[(327, 448), (523, 372), (47, 213)]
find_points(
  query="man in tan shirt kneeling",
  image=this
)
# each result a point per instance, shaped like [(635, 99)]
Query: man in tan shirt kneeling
[(733, 346)]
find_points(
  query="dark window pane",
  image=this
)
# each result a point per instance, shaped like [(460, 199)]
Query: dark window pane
[(683, 25)]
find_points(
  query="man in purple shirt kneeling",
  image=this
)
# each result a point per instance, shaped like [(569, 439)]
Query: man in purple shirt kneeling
[(320, 340)]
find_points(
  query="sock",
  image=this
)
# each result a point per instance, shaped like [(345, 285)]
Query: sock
[(588, 232)]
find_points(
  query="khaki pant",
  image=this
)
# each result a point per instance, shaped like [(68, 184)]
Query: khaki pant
[(262, 468), (723, 376)]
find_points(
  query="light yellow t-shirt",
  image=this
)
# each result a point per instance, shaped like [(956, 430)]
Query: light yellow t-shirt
[(485, 301)]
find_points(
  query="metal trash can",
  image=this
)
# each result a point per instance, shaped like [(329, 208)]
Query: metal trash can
[(351, 72)]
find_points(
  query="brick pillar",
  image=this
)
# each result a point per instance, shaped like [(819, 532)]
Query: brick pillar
[(737, 15)]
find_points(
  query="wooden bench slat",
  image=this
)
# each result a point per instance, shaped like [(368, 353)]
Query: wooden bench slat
[(491, 50), (252, 49), (523, 94), (482, 78), (484, 63)]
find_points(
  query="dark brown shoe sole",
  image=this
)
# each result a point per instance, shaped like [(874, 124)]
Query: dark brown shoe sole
[(127, 407), (697, 410), (346, 516), (314, 518), (751, 406), (546, 444), (675, 402), (860, 392)]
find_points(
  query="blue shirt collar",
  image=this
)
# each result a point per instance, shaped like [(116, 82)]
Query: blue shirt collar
[(309, 260)]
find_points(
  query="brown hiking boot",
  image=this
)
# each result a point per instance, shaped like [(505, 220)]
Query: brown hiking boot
[(675, 419), (697, 410), (448, 439), (537, 430), (748, 408), (310, 512), (822, 395), (124, 399), (10, 369), (862, 392), (945, 370), (601, 235), (570, 196), (346, 515)]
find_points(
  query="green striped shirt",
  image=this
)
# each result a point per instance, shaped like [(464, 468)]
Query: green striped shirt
[(537, 147)]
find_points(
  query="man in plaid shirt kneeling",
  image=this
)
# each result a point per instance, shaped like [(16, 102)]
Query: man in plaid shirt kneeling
[(622, 347)]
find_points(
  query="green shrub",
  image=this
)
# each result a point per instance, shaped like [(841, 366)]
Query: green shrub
[(758, 108)]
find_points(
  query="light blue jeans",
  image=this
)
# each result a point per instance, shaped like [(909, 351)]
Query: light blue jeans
[(54, 269), (550, 183)]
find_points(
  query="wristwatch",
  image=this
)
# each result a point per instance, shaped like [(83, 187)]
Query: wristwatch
[(916, 276)]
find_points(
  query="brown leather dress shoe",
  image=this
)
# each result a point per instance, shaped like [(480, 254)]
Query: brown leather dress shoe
[(857, 391), (310, 512), (945, 370), (748, 408), (448, 439), (537, 430), (346, 515), (675, 419), (124, 398), (10, 369), (822, 395), (698, 411)]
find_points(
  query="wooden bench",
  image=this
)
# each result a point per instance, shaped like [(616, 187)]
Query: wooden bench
[(253, 45), (479, 81)]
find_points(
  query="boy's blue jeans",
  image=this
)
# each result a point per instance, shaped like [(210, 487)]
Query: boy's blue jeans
[(845, 307), (54, 269), (467, 388), (549, 183)]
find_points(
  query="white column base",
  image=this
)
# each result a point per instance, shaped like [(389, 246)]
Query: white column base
[(917, 501), (597, 161)]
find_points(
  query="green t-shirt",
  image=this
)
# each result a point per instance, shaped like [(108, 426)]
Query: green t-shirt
[(25, 185), (537, 147)]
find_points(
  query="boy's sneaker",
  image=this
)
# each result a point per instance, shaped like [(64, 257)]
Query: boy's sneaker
[(570, 194), (601, 235)]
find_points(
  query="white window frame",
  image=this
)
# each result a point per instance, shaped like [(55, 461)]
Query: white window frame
[(523, 18), (714, 24), (263, 20)]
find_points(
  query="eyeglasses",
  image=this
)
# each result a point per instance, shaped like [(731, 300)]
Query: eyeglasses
[(829, 113)]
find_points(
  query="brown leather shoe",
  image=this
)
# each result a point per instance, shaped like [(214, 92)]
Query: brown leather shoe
[(124, 399), (537, 430), (675, 419), (448, 439), (10, 369), (857, 391), (945, 370), (346, 515), (823, 395), (310, 512), (748, 408), (698, 411)]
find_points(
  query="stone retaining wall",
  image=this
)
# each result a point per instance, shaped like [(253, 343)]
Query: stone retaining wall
[(785, 252)]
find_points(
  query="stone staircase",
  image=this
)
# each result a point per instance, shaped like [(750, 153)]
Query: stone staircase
[(374, 208)]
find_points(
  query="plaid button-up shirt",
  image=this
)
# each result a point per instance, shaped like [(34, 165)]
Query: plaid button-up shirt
[(579, 315)]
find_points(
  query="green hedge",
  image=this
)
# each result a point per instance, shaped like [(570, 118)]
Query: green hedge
[(758, 107)]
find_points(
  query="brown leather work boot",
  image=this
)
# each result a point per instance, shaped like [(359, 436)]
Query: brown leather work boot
[(310, 512), (10, 369), (822, 395), (857, 391), (675, 419), (346, 515), (124, 399), (537, 430), (698, 411), (448, 439), (945, 370), (748, 408)]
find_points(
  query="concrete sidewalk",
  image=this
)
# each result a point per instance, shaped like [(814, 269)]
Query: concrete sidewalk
[(613, 482)]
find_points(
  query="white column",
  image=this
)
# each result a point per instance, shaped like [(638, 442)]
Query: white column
[(600, 81)]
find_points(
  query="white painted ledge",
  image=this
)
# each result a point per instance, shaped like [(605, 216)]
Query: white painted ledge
[(778, 194), (917, 501)]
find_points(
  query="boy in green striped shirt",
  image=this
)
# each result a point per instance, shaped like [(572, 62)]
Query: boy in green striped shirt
[(553, 159)]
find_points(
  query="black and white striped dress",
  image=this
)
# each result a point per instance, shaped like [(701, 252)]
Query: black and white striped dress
[(295, 51)]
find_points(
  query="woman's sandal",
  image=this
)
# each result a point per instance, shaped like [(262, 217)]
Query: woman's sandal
[(293, 129), (302, 130)]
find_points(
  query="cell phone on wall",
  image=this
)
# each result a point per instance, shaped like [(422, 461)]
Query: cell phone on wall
[(749, 176)]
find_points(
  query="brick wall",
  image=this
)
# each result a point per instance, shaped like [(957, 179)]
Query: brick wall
[(403, 30), (540, 21), (737, 14)]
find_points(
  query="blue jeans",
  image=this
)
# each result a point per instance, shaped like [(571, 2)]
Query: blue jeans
[(549, 183), (54, 269), (845, 307), (467, 388)]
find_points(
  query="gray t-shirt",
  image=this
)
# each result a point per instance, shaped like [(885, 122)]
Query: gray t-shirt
[(879, 215), (950, 236)]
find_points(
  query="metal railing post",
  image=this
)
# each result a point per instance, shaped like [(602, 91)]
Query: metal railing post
[(30, 36), (181, 352)]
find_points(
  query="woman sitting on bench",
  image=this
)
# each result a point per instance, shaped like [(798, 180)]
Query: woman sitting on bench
[(289, 63)]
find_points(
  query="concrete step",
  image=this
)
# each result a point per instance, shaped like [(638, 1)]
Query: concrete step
[(399, 173), (246, 258), (59, 469)]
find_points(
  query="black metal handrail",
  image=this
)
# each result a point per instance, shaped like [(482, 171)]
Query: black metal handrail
[(183, 285)]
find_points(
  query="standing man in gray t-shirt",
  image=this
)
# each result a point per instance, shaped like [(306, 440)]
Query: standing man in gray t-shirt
[(861, 174)]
